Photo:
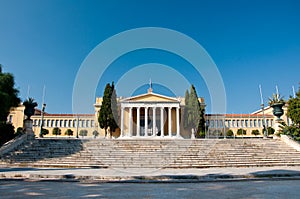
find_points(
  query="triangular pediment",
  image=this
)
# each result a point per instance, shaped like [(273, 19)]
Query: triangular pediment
[(150, 97)]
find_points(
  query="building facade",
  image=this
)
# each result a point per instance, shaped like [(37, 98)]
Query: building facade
[(147, 115)]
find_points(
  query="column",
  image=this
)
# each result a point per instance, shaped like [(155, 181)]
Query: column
[(130, 122), (154, 120), (170, 121), (146, 121), (122, 122), (177, 122), (138, 121), (162, 122)]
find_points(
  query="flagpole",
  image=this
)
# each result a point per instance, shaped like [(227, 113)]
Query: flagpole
[(263, 111)]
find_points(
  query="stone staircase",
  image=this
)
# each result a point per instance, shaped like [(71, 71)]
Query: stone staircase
[(151, 153)]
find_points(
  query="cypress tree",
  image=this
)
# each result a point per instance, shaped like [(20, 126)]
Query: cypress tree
[(185, 113), (113, 125), (194, 112), (105, 108), (108, 114)]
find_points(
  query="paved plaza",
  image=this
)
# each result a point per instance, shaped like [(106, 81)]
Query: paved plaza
[(231, 189)]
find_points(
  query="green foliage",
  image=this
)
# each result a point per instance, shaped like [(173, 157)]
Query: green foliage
[(292, 131), (113, 125), (83, 132), (276, 99), (7, 132), (19, 131), (8, 94), (108, 114), (255, 132), (185, 112), (193, 112), (29, 104), (241, 132), (69, 132), (202, 134), (56, 131), (229, 133), (270, 130), (45, 131), (293, 110), (95, 133)]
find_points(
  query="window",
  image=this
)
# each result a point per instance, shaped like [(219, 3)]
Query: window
[(221, 124), (237, 123), (92, 123), (233, 123), (10, 119), (212, 123), (87, 123), (254, 123), (246, 123), (74, 123), (259, 123)]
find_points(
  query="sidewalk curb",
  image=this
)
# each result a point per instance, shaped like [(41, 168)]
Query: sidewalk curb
[(149, 179)]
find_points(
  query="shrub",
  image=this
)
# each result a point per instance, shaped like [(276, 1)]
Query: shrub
[(255, 132), (229, 133), (241, 132)]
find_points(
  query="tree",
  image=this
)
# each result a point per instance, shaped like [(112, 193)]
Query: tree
[(185, 113), (8, 94), (229, 133), (95, 133), (83, 132), (69, 132), (56, 131), (7, 132), (271, 130), (241, 132), (113, 125), (293, 110), (108, 111), (29, 104), (19, 131), (194, 112), (45, 131), (8, 99), (255, 132)]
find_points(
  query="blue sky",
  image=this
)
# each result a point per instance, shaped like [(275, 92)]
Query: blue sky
[(251, 42)]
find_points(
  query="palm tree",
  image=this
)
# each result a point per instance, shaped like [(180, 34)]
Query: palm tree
[(29, 104)]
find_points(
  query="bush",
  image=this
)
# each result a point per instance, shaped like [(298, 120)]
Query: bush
[(19, 132), (56, 131), (7, 132), (270, 130), (241, 132), (255, 132), (83, 132), (229, 133), (95, 133), (45, 131), (69, 132)]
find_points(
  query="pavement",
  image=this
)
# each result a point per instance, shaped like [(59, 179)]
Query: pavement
[(150, 175)]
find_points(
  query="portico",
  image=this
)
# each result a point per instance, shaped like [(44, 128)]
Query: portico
[(150, 115)]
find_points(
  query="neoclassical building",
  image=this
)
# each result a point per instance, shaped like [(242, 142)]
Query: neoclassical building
[(149, 115)]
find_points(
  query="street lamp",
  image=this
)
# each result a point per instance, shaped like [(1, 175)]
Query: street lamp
[(42, 120)]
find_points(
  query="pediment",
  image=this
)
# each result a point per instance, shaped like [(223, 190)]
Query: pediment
[(150, 97)]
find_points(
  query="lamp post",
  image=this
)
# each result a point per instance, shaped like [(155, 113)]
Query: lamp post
[(77, 127), (264, 121), (42, 120)]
